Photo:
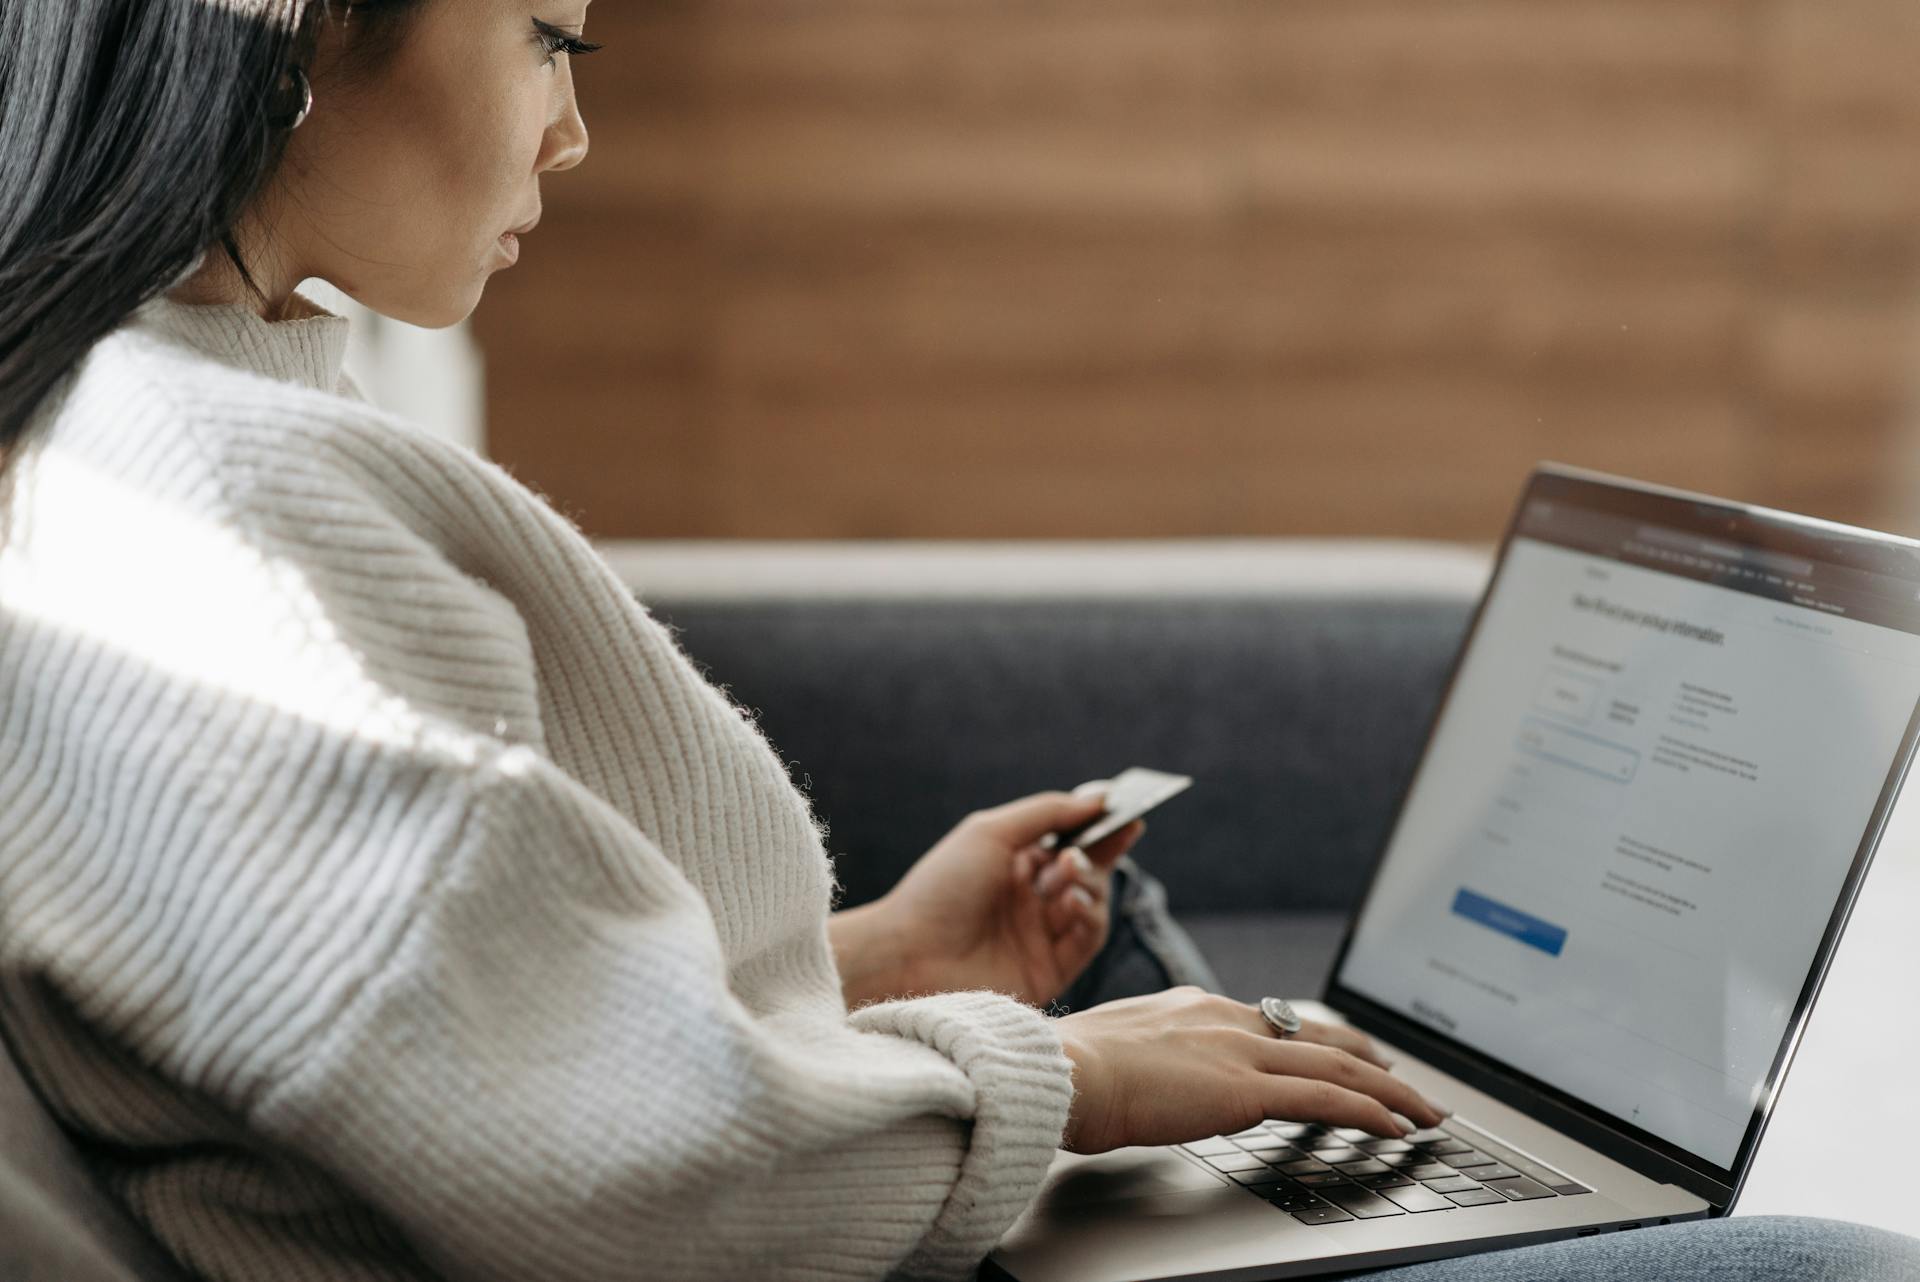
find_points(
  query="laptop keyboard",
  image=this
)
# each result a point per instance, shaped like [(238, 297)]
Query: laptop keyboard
[(1326, 1175)]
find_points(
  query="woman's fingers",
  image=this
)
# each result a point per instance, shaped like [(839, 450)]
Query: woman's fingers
[(1070, 908), (1165, 1067), (1306, 1099), (1351, 1040), (1024, 866), (1031, 818), (1072, 867), (1337, 1067)]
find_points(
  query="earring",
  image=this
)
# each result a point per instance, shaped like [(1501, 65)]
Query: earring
[(303, 91)]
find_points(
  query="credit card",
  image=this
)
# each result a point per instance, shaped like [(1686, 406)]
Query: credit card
[(1130, 794)]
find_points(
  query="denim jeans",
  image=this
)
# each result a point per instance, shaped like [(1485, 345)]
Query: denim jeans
[(1147, 951), (1761, 1248)]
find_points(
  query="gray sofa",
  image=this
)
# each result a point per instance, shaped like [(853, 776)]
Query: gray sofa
[(911, 684), (1297, 704)]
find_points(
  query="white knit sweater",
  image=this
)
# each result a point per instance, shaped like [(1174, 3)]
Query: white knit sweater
[(384, 894)]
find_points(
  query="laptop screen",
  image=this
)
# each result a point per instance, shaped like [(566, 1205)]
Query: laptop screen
[(1644, 793)]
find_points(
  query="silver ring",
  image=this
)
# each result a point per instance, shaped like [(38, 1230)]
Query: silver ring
[(1280, 1016)]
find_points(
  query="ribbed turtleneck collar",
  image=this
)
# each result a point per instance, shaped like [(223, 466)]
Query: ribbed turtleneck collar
[(309, 349)]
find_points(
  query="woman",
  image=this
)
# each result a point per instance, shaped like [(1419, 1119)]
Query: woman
[(383, 894)]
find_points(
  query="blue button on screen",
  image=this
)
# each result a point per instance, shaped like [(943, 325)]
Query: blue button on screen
[(1525, 927)]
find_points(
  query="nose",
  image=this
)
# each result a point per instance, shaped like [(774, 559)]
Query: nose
[(566, 142)]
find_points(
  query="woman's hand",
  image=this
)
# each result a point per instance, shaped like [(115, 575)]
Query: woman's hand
[(1185, 1064), (988, 907)]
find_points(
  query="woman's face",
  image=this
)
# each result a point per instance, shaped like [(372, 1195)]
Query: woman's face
[(403, 181)]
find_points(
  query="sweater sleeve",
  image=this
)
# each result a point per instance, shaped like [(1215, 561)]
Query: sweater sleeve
[(546, 1074)]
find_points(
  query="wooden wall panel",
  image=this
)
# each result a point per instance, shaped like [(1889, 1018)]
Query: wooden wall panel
[(1837, 394), (1035, 268)]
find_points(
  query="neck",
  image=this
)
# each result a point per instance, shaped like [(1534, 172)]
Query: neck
[(218, 281)]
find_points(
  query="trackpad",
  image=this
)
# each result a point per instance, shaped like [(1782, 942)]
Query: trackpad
[(1122, 1175), (1120, 1216)]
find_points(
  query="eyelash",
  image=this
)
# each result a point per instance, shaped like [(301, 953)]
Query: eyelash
[(556, 41)]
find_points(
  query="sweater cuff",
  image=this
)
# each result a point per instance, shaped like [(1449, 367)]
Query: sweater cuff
[(1022, 1089)]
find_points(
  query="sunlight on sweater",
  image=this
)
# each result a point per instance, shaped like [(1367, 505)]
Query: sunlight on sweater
[(131, 566)]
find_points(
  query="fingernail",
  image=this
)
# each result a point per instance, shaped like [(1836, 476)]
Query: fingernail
[(1081, 894)]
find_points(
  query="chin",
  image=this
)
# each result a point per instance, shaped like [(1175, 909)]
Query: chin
[(438, 312)]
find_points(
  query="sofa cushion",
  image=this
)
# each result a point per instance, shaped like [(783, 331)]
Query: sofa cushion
[(56, 1224)]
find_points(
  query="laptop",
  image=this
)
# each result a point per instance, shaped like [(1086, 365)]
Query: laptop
[(1650, 792)]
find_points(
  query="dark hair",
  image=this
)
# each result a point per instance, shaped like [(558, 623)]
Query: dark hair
[(133, 134)]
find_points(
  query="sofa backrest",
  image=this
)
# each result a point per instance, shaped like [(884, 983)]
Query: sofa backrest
[(1295, 684)]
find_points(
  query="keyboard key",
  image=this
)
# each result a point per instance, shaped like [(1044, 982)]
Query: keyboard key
[(1301, 1166), (1415, 1198), (1265, 1175), (1448, 1145), (1320, 1179), (1377, 1147), (1474, 1197), (1492, 1171), (1569, 1190), (1429, 1171), (1391, 1180), (1451, 1184), (1230, 1162), (1272, 1150), (1520, 1189), (1252, 1132), (1360, 1203), (1289, 1130), (1522, 1165), (1466, 1160), (1335, 1156), (1431, 1135), (1353, 1134), (1366, 1166), (1322, 1215), (1401, 1159), (1211, 1148)]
